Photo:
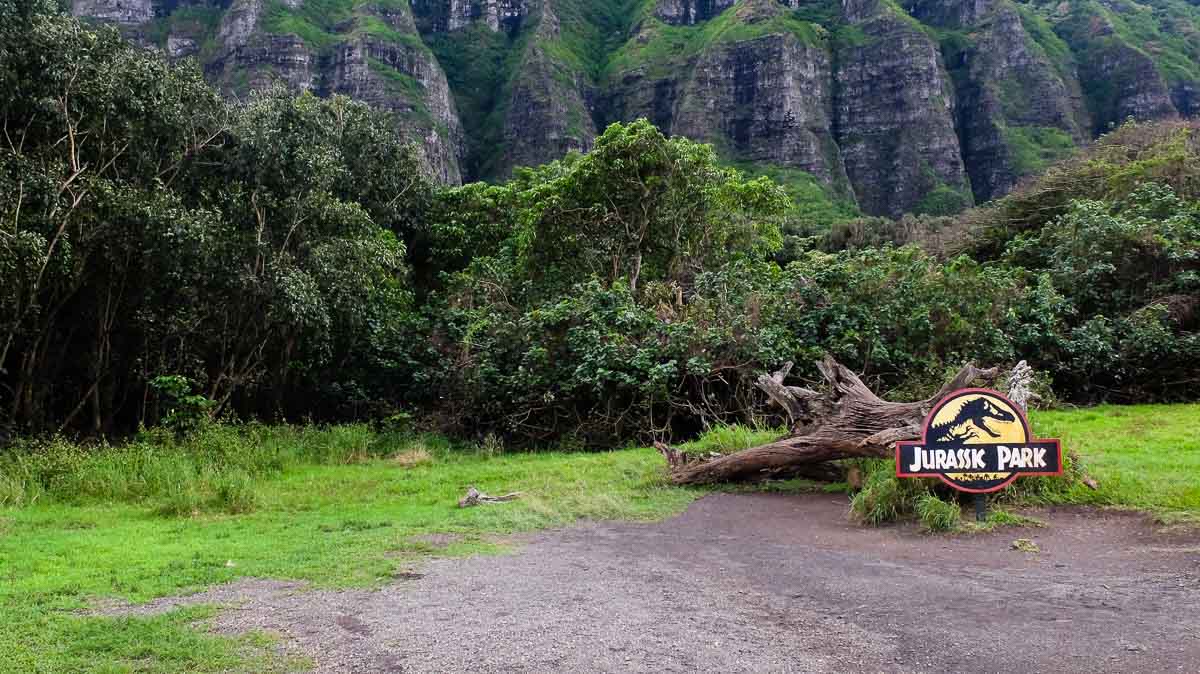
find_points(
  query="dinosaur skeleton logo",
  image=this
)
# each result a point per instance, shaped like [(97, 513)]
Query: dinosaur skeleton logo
[(978, 441)]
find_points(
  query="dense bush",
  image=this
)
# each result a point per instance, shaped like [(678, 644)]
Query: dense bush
[(171, 256), (152, 229)]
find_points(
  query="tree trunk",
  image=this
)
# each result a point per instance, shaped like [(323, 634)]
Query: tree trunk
[(846, 422)]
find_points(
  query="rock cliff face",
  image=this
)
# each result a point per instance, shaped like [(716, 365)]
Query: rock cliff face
[(887, 106), (768, 100), (895, 118), (371, 52), (404, 79), (1017, 109), (1125, 68), (451, 15), (690, 12), (122, 12)]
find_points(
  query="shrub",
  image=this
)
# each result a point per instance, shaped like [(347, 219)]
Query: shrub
[(182, 499), (936, 514), (215, 467), (884, 497), (235, 492)]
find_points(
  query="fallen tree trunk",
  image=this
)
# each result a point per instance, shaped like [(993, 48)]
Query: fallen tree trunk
[(847, 421)]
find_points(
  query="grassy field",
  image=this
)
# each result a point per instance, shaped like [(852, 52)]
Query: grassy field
[(344, 507), (1143, 456)]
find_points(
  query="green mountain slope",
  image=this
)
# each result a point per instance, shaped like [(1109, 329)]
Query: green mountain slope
[(889, 106)]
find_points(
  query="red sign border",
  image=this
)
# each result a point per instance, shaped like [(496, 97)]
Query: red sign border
[(1012, 477)]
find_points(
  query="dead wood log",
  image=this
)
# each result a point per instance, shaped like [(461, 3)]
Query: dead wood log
[(475, 497), (1020, 386), (846, 421)]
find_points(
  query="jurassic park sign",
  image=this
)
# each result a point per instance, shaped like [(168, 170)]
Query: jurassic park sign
[(977, 441)]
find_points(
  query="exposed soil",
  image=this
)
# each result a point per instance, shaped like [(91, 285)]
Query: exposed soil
[(763, 583)]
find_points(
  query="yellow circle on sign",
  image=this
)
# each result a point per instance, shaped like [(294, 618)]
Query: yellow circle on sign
[(977, 418)]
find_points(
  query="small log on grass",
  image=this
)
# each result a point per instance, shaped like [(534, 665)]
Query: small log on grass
[(848, 421), (475, 497)]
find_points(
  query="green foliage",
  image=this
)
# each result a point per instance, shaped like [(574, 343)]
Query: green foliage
[(249, 248), (185, 411), (943, 200), (658, 47), (283, 257), (885, 498), (324, 23), (815, 206), (937, 515), (1034, 148), (642, 207), (480, 65), (1166, 153), (589, 31), (1128, 267)]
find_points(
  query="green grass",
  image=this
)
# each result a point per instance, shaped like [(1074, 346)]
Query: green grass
[(1143, 456), (661, 47), (936, 514), (324, 23), (337, 507), (729, 439), (344, 507)]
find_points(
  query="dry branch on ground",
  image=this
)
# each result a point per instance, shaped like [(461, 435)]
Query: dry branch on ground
[(845, 422)]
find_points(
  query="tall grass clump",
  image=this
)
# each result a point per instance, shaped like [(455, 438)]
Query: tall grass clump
[(884, 497), (730, 438), (236, 492), (936, 514), (214, 467)]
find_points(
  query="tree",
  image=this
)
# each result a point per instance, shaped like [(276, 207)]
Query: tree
[(94, 129), (642, 207), (152, 228)]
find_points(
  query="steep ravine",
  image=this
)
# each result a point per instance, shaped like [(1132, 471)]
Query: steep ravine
[(888, 106)]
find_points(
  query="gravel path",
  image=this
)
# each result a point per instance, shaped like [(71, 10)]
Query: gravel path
[(762, 583)]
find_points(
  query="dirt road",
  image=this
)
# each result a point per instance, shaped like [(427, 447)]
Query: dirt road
[(763, 583)]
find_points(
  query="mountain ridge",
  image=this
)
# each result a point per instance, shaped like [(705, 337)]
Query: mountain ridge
[(924, 106)]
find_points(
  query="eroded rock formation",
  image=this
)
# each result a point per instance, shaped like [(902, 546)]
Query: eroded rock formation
[(922, 106)]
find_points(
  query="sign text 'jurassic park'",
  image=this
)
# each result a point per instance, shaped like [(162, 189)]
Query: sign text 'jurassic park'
[(977, 441)]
